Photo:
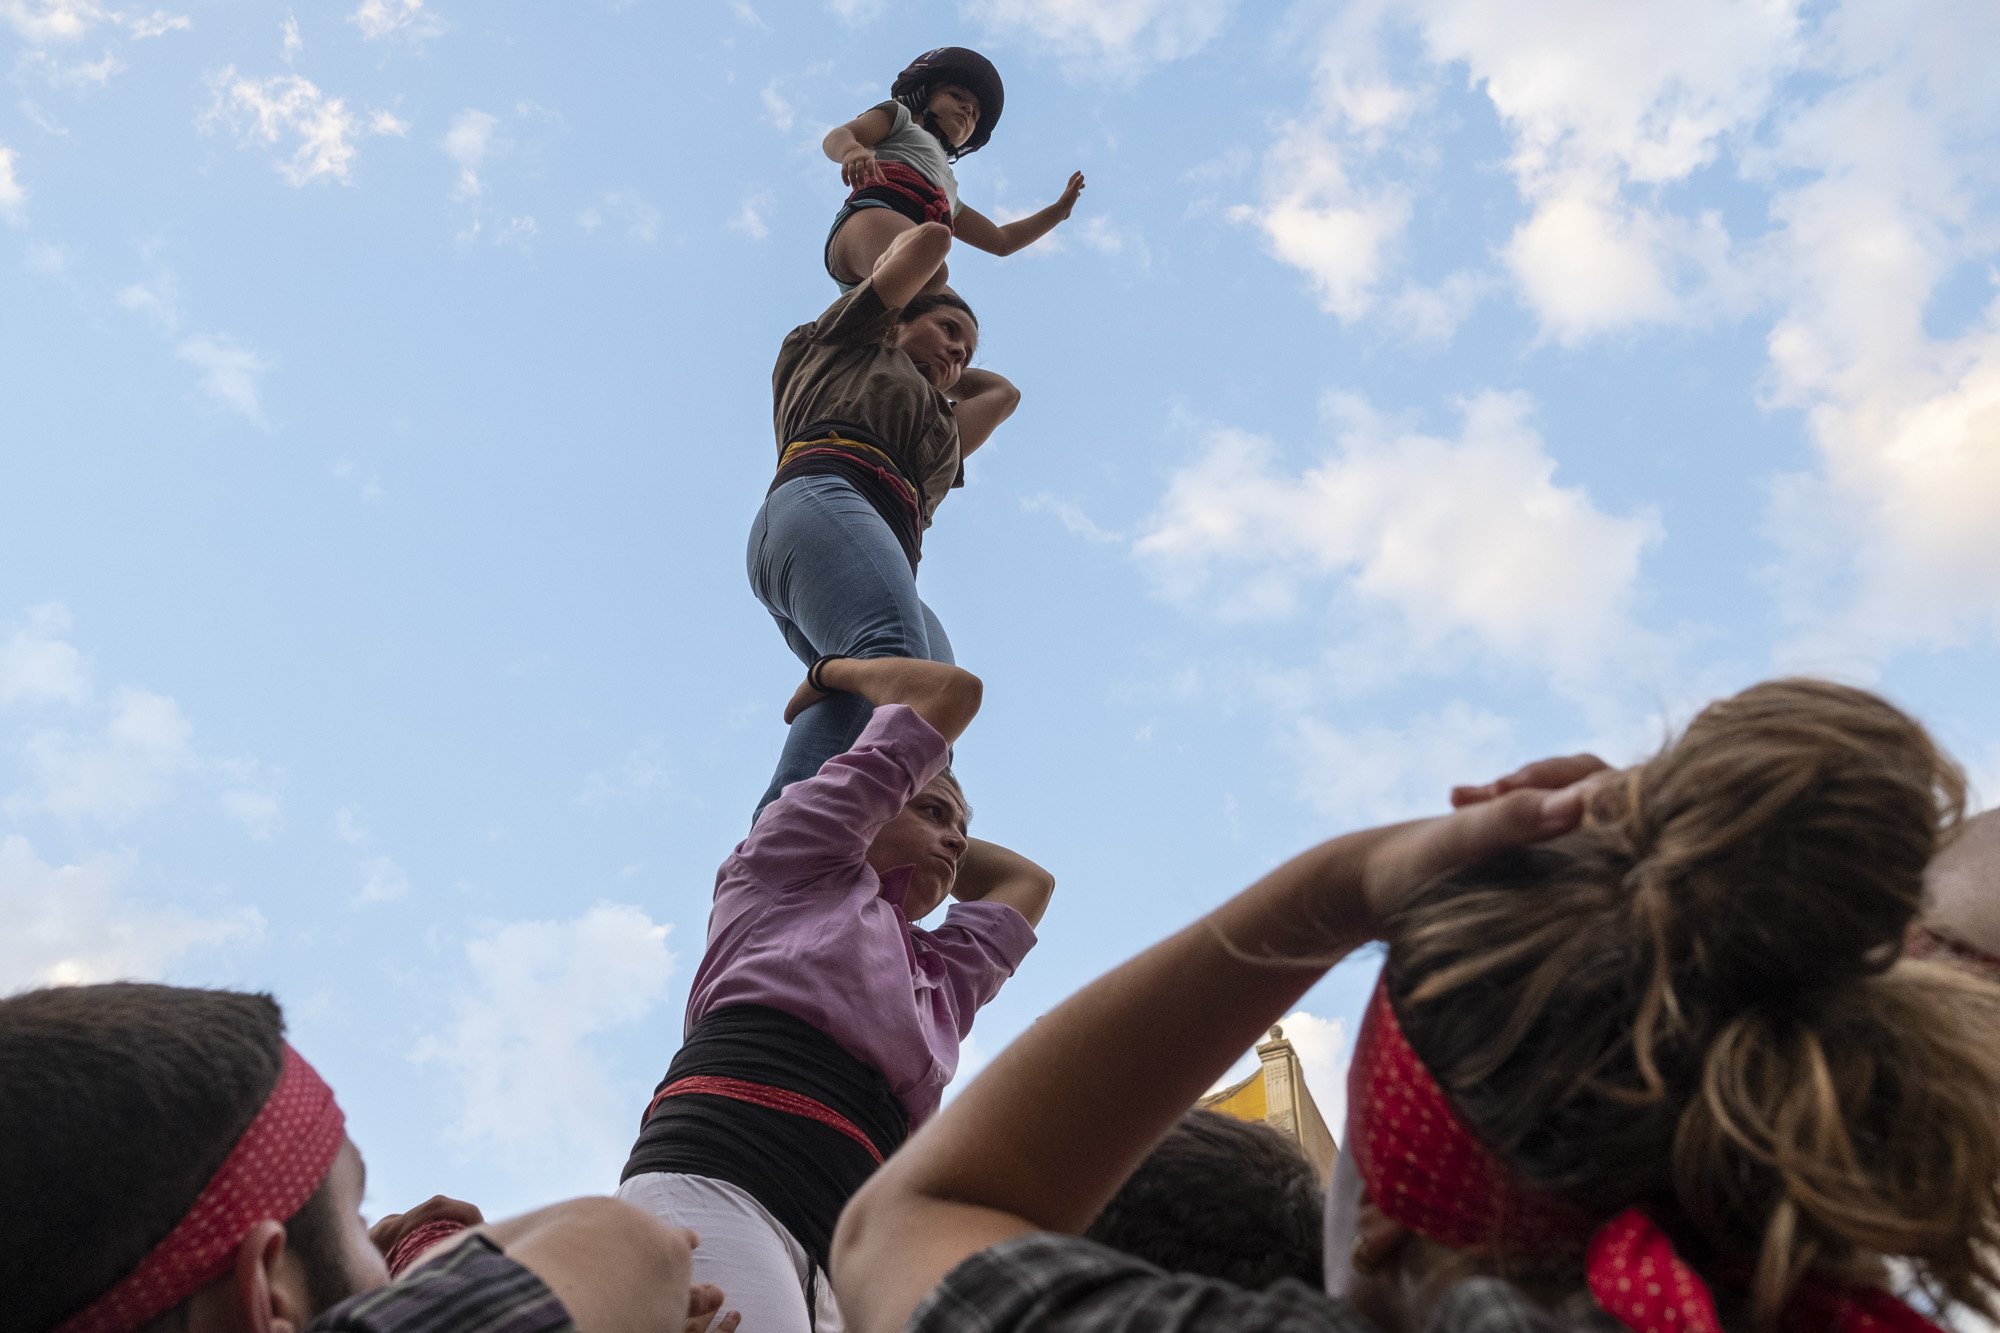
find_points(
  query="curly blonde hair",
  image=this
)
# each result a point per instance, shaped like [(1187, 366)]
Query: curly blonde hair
[(1698, 1003)]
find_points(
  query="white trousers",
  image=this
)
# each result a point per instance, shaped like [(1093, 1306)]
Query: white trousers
[(762, 1270)]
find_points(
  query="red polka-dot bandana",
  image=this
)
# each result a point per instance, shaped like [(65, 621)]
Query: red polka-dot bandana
[(1426, 1170), (270, 1173)]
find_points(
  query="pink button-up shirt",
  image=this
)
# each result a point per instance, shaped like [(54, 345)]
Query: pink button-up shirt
[(803, 924)]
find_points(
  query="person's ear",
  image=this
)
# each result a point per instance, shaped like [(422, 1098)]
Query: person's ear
[(261, 1293)]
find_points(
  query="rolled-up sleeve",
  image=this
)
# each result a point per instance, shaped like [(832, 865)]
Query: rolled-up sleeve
[(976, 948)]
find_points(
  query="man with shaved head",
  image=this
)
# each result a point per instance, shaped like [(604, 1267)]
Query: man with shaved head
[(169, 1164)]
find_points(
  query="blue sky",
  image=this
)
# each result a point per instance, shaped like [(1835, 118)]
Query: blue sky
[(384, 391)]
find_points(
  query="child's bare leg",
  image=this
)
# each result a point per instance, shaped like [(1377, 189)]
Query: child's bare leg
[(863, 239)]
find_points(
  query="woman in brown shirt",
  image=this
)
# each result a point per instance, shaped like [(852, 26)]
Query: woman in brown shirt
[(875, 410)]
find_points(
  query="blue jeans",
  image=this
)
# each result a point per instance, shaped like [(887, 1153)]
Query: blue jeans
[(833, 576)]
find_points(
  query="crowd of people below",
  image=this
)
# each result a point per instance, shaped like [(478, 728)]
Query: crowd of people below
[(1708, 1043)]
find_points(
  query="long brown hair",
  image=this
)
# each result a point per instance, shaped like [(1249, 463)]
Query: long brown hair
[(1697, 1003)]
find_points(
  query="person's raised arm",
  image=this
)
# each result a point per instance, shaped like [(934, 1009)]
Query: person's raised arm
[(982, 233), (1045, 1136), (981, 400), (991, 873), (853, 146), (947, 697), (910, 262)]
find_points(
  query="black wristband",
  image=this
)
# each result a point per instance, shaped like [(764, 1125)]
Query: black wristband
[(813, 677)]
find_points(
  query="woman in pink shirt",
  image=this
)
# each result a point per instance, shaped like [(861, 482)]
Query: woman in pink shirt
[(824, 1022)]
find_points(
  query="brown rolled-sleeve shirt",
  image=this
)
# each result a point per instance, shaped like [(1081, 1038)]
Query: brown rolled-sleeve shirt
[(840, 370)]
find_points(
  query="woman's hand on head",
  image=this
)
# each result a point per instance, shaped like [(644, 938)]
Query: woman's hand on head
[(1406, 857), (1544, 774)]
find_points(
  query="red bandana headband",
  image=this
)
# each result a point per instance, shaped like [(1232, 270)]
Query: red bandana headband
[(1427, 1171), (270, 1173)]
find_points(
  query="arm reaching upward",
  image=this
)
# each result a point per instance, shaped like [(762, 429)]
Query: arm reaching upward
[(982, 233), (946, 697)]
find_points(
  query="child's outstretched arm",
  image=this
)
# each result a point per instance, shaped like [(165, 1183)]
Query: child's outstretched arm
[(991, 873), (981, 400), (982, 233), (945, 696), (853, 146)]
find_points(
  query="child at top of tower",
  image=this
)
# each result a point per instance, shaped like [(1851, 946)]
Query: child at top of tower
[(896, 158)]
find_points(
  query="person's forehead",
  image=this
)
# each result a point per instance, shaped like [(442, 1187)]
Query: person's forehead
[(945, 790)]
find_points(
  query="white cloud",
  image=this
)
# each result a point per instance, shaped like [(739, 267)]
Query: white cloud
[(625, 212), (1644, 91), (38, 665), (520, 1044), (292, 43), (388, 123), (252, 795), (157, 301), (1071, 516), (401, 20), (750, 218), (46, 259), (230, 373), (1369, 773), (347, 826), (74, 924), (743, 10), (44, 21), (1892, 541), (383, 880), (1588, 265), (1314, 218), (287, 106), (780, 112), (158, 24), (1432, 314), (1469, 538), (1121, 36), (637, 778), (13, 195), (86, 759), (467, 143), (112, 773)]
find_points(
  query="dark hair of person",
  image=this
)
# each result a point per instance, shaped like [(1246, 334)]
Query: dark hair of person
[(1222, 1198), (1697, 1003), (920, 306), (117, 1104)]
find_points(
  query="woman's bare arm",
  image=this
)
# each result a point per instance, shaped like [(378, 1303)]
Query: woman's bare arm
[(1046, 1135), (982, 400), (991, 873)]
